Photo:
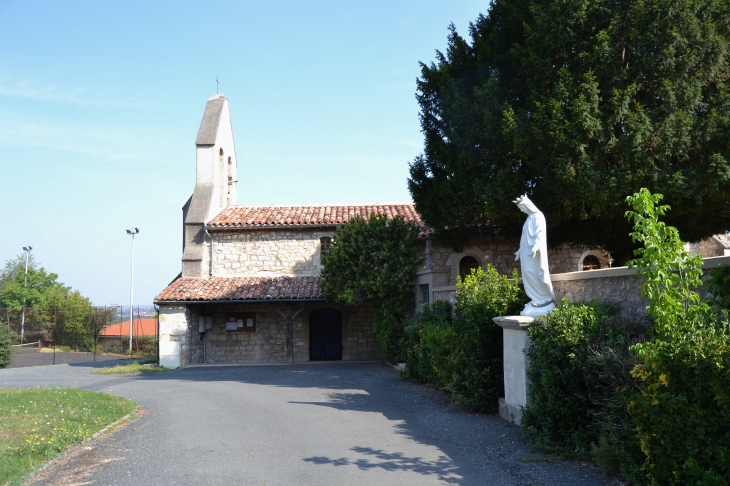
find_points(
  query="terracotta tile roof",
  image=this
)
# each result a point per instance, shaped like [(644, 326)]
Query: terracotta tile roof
[(241, 288), (253, 217), (145, 326)]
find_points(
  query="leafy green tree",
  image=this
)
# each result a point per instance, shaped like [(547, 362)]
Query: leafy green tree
[(579, 104), (375, 260), (43, 292), (16, 293)]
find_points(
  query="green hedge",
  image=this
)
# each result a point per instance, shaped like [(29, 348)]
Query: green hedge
[(7, 338), (683, 415), (463, 355), (429, 336), (581, 385)]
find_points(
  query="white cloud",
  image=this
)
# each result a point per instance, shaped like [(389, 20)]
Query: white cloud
[(109, 144), (76, 95)]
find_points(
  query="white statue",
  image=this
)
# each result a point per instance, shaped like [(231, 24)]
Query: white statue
[(534, 260)]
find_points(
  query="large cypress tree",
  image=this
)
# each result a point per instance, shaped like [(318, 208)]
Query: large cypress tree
[(578, 104)]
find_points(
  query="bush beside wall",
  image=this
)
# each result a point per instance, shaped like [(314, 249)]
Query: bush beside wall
[(463, 355), (581, 385), (7, 338), (683, 415), (668, 420)]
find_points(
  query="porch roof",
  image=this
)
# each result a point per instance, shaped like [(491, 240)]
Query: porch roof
[(285, 288)]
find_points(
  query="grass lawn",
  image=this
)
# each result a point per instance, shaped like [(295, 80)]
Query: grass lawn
[(36, 425), (136, 368)]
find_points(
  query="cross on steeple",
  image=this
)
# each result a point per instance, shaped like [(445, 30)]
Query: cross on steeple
[(216, 85)]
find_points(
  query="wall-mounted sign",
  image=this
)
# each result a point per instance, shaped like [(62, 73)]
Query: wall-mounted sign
[(241, 322)]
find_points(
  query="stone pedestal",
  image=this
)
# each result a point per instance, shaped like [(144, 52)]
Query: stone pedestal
[(516, 341)]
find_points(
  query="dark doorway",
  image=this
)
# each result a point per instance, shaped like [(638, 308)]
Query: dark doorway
[(325, 334), (467, 265)]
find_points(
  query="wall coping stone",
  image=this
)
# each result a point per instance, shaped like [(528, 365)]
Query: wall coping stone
[(518, 323), (710, 262)]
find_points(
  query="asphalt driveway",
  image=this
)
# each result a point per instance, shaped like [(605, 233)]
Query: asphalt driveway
[(313, 424)]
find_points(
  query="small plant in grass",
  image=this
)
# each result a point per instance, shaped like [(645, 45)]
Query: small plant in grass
[(36, 425), (135, 368)]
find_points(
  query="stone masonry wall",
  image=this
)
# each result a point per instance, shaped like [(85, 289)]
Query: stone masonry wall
[(501, 255), (261, 252), (268, 343), (617, 285), (622, 290)]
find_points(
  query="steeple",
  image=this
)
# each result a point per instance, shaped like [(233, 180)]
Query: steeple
[(215, 183)]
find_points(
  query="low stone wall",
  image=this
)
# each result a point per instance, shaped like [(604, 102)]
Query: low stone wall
[(617, 285)]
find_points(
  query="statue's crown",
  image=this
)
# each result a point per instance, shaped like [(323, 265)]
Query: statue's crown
[(520, 199)]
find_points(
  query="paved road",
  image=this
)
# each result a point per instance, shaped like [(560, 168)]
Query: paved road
[(25, 357), (315, 424)]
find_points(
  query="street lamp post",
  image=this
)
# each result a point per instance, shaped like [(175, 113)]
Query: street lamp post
[(27, 250), (132, 232)]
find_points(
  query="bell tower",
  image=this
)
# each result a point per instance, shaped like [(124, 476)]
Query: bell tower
[(215, 184)]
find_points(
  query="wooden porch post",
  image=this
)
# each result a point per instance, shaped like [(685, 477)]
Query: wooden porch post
[(289, 332)]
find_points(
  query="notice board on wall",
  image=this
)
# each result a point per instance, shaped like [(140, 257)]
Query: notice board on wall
[(241, 322)]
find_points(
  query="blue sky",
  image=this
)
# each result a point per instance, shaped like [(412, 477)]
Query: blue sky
[(100, 103)]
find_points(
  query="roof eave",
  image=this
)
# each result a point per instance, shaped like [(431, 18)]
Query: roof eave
[(272, 226), (232, 301)]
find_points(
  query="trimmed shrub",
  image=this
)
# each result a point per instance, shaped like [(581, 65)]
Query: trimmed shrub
[(683, 415), (429, 335), (463, 356), (477, 355), (7, 338), (718, 287), (145, 346), (581, 384)]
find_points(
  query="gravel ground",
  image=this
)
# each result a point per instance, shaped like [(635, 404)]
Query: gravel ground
[(26, 357), (339, 423)]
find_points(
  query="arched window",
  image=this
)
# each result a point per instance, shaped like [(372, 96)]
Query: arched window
[(324, 244), (230, 180), (222, 178), (466, 265), (591, 262)]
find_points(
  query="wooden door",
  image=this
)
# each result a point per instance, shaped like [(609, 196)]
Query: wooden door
[(325, 334)]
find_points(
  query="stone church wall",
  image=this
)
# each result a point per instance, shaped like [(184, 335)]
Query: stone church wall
[(501, 255), (276, 252), (268, 343)]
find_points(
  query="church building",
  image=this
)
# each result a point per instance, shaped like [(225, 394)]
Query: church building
[(249, 287)]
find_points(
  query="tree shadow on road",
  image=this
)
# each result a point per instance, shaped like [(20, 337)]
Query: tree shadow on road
[(471, 447), (443, 467)]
